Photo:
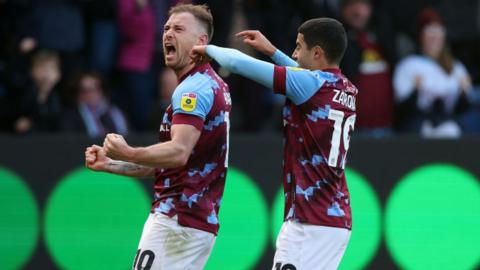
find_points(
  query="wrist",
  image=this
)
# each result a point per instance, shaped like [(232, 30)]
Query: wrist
[(209, 48), (108, 167), (270, 51), (131, 154)]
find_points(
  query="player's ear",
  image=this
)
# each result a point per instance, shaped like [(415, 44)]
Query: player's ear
[(202, 39), (318, 52)]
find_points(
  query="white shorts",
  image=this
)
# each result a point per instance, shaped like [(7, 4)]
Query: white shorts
[(309, 247), (167, 245)]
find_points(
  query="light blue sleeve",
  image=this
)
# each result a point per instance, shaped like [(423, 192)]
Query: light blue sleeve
[(282, 59), (242, 64), (194, 97), (302, 84)]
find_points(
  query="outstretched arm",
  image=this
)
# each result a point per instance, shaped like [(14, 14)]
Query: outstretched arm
[(295, 83), (259, 42), (282, 59), (240, 63)]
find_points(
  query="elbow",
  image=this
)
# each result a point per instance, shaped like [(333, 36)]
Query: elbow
[(232, 63), (180, 158), (179, 161)]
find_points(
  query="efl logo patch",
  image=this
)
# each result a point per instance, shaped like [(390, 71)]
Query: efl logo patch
[(189, 102)]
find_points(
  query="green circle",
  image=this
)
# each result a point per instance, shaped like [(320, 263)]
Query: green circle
[(19, 221), (432, 219), (94, 220), (366, 217), (243, 233)]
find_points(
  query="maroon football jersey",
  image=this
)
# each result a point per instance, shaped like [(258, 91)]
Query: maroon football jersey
[(194, 192), (317, 127)]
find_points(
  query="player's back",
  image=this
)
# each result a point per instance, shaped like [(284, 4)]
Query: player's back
[(317, 133)]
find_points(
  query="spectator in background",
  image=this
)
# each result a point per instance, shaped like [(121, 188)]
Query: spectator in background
[(137, 29), (222, 11), (315, 8), (12, 69), (104, 36), (4, 36), (254, 102), (93, 113), (365, 63), (431, 88), (39, 108), (56, 25), (5, 108)]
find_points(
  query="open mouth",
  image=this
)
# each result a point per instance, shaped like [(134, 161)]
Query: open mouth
[(169, 49)]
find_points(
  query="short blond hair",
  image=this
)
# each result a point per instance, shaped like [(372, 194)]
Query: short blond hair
[(201, 12)]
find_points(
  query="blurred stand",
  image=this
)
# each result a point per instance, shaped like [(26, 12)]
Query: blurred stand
[(38, 107), (366, 65), (432, 87), (93, 113)]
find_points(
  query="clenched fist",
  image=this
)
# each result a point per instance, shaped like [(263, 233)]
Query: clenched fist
[(95, 158), (116, 147)]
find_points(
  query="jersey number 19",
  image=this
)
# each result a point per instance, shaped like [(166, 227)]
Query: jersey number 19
[(338, 128)]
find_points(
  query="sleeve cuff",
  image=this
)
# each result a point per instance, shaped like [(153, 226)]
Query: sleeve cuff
[(279, 80), (277, 56), (188, 119)]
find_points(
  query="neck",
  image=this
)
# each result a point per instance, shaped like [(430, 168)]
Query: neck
[(324, 65), (431, 55), (182, 71)]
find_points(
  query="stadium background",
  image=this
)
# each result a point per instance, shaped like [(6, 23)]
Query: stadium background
[(416, 202)]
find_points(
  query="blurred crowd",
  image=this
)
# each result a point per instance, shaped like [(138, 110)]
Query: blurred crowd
[(97, 66)]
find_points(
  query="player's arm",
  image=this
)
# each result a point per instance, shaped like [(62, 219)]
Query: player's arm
[(282, 59), (96, 160), (297, 84), (259, 42), (191, 103), (171, 154)]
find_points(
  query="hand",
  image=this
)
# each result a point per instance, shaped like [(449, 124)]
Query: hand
[(418, 82), (258, 41), (465, 84), (27, 44), (199, 54), (116, 147), (95, 158), (23, 124)]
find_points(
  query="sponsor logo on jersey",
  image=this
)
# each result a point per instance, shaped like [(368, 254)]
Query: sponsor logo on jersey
[(189, 102), (295, 68)]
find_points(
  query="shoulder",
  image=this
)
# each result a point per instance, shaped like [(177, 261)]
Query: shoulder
[(326, 76), (318, 75), (194, 95), (414, 64), (459, 67), (413, 60), (194, 86), (199, 83)]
